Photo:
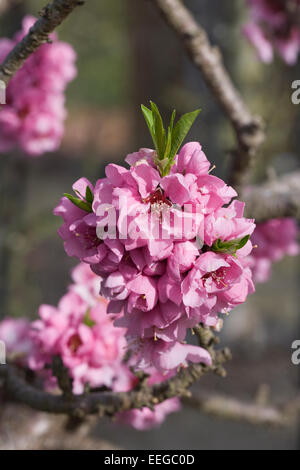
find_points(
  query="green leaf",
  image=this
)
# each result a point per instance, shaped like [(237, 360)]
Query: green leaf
[(81, 204), (87, 320), (89, 196), (150, 122), (181, 130), (169, 138), (243, 241), (172, 120), (160, 135), (229, 247), (167, 145)]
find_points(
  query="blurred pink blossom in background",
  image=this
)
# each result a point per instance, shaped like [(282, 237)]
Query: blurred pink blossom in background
[(272, 27), (14, 332), (273, 240), (33, 117)]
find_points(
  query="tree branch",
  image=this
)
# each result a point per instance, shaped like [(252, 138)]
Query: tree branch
[(249, 129), (107, 403), (277, 198), (236, 410), (62, 375), (50, 17)]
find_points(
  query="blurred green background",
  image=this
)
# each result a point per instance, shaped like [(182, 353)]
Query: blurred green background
[(127, 56)]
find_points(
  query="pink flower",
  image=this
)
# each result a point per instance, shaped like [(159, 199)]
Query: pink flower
[(109, 256), (79, 228), (210, 193), (86, 283), (15, 335), (166, 356), (227, 224), (217, 283), (272, 27), (277, 238), (289, 47), (191, 159), (143, 293), (144, 155), (84, 337), (145, 419), (256, 37), (273, 240), (34, 114)]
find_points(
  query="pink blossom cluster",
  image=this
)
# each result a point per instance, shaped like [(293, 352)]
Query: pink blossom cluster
[(90, 346), (273, 240), (33, 117), (273, 26), (167, 249), (82, 334)]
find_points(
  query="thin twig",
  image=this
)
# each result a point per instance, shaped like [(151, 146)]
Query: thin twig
[(249, 129), (50, 17)]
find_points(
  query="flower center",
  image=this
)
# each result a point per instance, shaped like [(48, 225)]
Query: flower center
[(88, 238), (158, 201), (218, 278), (74, 343)]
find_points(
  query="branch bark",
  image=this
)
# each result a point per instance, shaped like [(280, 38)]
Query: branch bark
[(50, 17), (277, 198), (106, 403), (249, 129)]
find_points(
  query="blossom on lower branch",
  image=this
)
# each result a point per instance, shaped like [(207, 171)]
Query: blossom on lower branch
[(145, 418), (84, 337), (169, 247), (80, 331)]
